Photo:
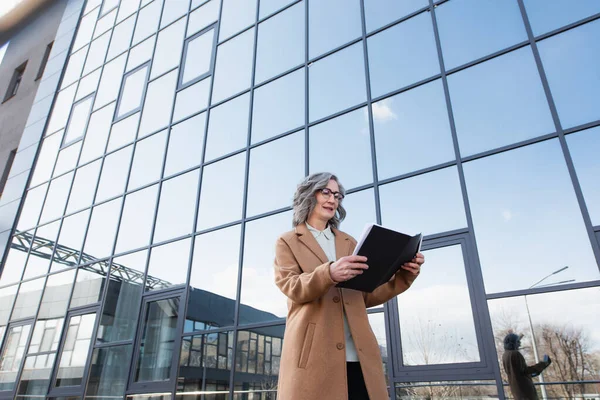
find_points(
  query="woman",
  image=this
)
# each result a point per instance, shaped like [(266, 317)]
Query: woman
[(329, 350)]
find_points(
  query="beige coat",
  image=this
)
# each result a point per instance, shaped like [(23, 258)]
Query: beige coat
[(313, 359)]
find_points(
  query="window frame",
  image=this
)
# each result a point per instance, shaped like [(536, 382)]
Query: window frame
[(64, 143), (117, 117), (11, 394), (213, 53), (7, 167), (15, 82), (44, 61)]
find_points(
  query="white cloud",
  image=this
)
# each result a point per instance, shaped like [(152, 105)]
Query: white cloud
[(382, 111), (507, 215)]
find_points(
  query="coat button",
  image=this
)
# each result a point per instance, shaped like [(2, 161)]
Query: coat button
[(336, 299), (340, 346)]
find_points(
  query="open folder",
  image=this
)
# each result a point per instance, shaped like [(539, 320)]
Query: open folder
[(386, 251)]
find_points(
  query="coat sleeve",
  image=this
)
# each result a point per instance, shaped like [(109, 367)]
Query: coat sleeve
[(398, 284), (299, 286), (531, 369)]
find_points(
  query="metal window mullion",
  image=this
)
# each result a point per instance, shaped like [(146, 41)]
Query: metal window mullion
[(473, 266), (561, 137), (31, 322)]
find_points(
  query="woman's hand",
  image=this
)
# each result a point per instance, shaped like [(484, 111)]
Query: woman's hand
[(414, 266), (347, 268)]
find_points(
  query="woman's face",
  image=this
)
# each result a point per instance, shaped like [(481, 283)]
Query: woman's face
[(326, 206)]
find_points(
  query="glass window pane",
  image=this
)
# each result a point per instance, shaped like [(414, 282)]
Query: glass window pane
[(467, 31), (74, 67), (537, 212), (122, 305), (75, 351), (277, 164), (185, 144), (97, 53), (137, 219), (107, 21), (268, 7), (570, 60), (147, 22), (228, 127), (584, 147), (235, 16), (176, 208), (157, 342), (56, 200), (32, 207), (330, 91), (168, 265), (10, 361), (16, 259), (377, 322), (402, 55), (7, 294), (133, 90), (169, 44), (428, 204), (70, 240), (121, 37), (256, 371), (281, 42), (222, 193), (56, 295), (141, 53), (86, 29), (147, 160), (172, 10), (28, 299), (452, 389), (114, 174), (233, 68), (123, 132), (435, 332), (360, 209), (158, 103), (67, 159), (203, 16), (381, 12), (332, 23), (260, 302), (110, 83), (198, 56), (46, 159), (350, 133), (108, 372), (61, 109), (213, 280), (191, 99), (127, 8), (39, 257), (279, 106), (499, 102), (46, 335), (102, 228), (412, 120), (97, 134), (198, 353), (89, 285), (88, 85), (546, 16)]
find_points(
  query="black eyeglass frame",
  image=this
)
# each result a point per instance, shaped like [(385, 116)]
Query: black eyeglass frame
[(339, 196)]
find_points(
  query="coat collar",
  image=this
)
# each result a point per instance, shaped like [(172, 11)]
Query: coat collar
[(341, 242)]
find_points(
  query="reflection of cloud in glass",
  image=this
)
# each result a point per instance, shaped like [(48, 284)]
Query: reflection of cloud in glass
[(382, 111)]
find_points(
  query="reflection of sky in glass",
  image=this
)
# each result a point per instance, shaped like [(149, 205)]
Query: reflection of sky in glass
[(168, 263), (67, 158), (331, 91), (197, 57), (97, 134), (280, 42), (571, 63), (428, 204), (470, 29), (110, 83), (102, 229), (414, 57), (360, 210), (258, 288), (381, 12), (203, 16), (84, 184), (436, 319), (146, 166), (169, 44), (545, 16), (499, 102), (185, 144), (235, 16), (228, 127), (269, 6), (136, 222), (351, 159), (331, 23), (123, 132), (114, 174), (528, 223), (158, 103), (409, 121), (584, 147)]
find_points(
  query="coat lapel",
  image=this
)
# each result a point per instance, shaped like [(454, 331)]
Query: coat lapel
[(342, 243), (309, 241)]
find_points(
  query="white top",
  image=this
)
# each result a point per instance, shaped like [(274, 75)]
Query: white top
[(326, 240)]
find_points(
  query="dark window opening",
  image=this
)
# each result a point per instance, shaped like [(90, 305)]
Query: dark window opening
[(15, 82), (44, 61), (7, 167)]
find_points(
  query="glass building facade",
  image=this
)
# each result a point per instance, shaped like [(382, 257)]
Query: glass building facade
[(140, 265)]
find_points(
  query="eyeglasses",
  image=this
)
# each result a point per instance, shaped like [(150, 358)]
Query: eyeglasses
[(328, 192)]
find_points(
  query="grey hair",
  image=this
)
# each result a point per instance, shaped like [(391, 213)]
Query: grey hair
[(305, 198)]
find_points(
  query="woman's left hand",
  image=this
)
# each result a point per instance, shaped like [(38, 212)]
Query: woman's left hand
[(414, 266)]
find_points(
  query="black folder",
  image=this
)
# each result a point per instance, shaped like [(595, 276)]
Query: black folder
[(386, 251)]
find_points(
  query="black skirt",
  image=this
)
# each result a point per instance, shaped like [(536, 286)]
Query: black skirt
[(356, 382)]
